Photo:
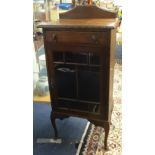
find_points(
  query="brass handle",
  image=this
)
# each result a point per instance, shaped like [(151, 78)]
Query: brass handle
[(54, 37)]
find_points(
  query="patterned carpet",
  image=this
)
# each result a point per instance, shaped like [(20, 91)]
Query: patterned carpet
[(93, 142)]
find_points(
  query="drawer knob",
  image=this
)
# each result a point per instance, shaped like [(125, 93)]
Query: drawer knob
[(94, 38), (54, 37)]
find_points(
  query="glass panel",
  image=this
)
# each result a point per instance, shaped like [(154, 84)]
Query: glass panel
[(76, 57), (65, 81), (77, 80), (94, 59), (58, 56), (88, 85)]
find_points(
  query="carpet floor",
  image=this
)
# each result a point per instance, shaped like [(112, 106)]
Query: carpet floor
[(70, 130)]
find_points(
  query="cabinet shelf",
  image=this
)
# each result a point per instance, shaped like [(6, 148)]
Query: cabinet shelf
[(76, 64), (76, 104), (80, 101)]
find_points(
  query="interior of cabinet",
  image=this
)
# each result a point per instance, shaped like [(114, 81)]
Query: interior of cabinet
[(74, 74)]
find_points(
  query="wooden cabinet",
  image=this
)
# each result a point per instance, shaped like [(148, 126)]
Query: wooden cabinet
[(80, 60)]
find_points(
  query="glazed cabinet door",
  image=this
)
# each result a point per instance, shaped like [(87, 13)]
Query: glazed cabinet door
[(76, 78)]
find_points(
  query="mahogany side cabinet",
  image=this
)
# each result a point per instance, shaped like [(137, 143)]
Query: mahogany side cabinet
[(79, 50)]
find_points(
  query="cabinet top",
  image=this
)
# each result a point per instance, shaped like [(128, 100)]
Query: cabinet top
[(81, 24), (84, 17)]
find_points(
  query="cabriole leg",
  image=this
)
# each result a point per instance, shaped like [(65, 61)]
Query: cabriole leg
[(52, 117), (106, 129)]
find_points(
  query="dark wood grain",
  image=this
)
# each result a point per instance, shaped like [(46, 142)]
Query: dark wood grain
[(73, 37), (87, 12)]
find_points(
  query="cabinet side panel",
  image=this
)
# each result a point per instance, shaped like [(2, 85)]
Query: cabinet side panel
[(111, 76), (50, 70)]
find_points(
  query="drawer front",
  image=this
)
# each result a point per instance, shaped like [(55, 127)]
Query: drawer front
[(93, 38)]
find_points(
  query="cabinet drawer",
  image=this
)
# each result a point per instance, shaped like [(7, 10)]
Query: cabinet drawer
[(94, 38)]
